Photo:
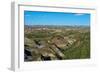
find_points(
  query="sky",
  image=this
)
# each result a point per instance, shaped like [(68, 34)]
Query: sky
[(56, 18)]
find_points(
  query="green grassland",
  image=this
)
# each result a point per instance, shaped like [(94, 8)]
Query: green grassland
[(59, 43)]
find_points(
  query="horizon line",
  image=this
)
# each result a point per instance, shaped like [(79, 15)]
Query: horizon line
[(55, 25)]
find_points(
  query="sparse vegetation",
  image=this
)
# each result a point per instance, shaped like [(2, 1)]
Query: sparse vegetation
[(57, 43)]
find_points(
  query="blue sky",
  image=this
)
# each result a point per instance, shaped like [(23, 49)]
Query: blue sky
[(55, 18)]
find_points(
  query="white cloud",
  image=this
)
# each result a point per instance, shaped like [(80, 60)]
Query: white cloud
[(79, 14)]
